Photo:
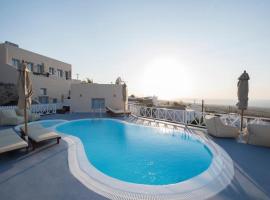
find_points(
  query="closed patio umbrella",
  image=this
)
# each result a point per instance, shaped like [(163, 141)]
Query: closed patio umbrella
[(124, 93), (242, 94), (118, 81), (25, 92)]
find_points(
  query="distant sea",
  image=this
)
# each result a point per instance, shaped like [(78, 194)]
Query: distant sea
[(231, 102)]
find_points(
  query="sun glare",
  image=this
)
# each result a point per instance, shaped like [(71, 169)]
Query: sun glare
[(166, 77)]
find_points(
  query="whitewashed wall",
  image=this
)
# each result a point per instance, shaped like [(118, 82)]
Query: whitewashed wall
[(82, 94)]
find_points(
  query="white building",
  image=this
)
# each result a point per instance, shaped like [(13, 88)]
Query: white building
[(89, 97), (51, 78)]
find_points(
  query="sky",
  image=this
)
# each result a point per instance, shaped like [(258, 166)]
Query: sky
[(171, 49)]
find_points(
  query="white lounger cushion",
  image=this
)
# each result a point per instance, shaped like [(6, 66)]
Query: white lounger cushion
[(9, 141), (38, 133), (259, 134), (9, 117)]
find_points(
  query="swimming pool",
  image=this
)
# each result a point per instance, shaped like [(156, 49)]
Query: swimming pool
[(139, 154), (118, 160)]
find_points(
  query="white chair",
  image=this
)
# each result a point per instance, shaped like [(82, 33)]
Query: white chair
[(259, 134), (217, 128)]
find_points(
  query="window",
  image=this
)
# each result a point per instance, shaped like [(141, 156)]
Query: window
[(43, 99), (67, 75), (39, 68), (30, 66), (43, 91), (54, 100), (51, 70), (98, 103), (59, 73), (16, 63)]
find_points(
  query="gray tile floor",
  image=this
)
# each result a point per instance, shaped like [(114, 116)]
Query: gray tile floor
[(44, 173)]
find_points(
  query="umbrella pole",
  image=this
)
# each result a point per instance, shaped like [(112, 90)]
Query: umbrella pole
[(25, 104), (242, 115), (25, 121)]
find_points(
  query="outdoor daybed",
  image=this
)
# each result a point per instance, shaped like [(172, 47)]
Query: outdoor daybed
[(116, 111), (259, 134), (37, 133), (9, 140), (15, 116), (217, 128), (9, 117)]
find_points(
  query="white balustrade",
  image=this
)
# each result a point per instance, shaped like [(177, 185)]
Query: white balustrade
[(7, 107), (186, 117), (42, 109)]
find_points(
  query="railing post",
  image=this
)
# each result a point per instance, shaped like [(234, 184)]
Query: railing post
[(185, 117)]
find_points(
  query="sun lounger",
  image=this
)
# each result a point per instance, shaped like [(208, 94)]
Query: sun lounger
[(9, 140), (117, 111), (37, 133), (217, 128)]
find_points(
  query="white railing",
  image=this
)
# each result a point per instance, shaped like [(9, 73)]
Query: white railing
[(186, 117), (42, 109)]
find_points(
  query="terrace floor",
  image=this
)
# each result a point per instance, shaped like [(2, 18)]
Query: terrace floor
[(44, 173)]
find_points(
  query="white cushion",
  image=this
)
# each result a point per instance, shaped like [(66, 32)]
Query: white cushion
[(9, 117), (216, 128), (38, 133), (259, 134), (8, 113)]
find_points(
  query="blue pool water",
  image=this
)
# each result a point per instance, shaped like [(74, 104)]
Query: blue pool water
[(139, 154), (50, 123)]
